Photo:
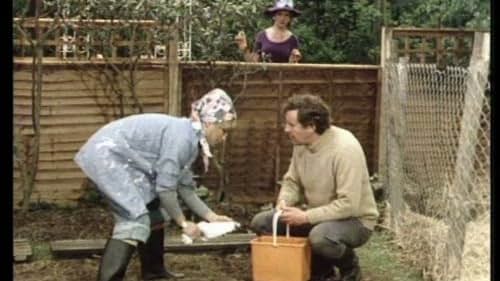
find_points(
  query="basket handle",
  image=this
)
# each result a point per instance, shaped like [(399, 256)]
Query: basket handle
[(275, 227)]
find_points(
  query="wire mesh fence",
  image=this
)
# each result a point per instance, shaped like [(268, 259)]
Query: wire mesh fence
[(437, 145)]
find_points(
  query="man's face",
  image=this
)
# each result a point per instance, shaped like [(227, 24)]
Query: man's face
[(297, 133)]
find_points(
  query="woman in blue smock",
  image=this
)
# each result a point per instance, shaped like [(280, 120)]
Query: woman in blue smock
[(141, 163)]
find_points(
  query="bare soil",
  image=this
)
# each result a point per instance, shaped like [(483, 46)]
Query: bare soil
[(94, 221)]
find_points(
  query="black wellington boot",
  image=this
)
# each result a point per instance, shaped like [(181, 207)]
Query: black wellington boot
[(151, 256), (322, 269), (348, 266), (114, 261)]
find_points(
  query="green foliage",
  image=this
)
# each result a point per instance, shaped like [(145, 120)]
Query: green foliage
[(41, 251), (338, 31), (330, 31), (473, 14), (215, 23), (20, 7)]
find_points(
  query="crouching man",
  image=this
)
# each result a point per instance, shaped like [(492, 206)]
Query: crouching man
[(326, 193)]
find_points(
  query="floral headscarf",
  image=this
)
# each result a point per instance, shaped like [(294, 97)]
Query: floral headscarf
[(214, 107)]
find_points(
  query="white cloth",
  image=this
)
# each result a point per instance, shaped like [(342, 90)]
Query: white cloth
[(215, 229), (211, 230)]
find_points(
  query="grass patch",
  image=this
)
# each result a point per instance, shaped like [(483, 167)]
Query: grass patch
[(41, 251), (378, 258)]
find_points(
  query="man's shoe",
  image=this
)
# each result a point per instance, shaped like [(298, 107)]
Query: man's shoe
[(322, 269), (348, 266), (354, 274), (329, 277)]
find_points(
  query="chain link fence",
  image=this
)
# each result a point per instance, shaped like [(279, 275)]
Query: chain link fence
[(436, 145)]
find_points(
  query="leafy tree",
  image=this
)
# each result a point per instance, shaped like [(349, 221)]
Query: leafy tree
[(330, 31), (216, 23), (338, 31), (442, 13)]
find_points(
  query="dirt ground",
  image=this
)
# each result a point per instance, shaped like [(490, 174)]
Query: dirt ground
[(93, 221)]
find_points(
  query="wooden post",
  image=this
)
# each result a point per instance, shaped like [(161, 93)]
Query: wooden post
[(385, 48), (385, 55), (57, 40), (174, 91), (440, 51), (397, 131), (277, 160), (458, 213), (112, 43)]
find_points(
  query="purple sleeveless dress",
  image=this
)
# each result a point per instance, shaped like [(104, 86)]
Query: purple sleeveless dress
[(272, 51)]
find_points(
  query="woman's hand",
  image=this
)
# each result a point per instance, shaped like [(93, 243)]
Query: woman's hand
[(213, 217), (191, 229), (241, 40), (295, 56)]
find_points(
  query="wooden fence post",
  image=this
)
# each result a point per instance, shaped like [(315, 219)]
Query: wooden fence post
[(381, 110), (174, 85)]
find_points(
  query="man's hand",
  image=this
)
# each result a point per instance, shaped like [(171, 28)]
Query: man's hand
[(213, 217), (280, 205), (293, 216)]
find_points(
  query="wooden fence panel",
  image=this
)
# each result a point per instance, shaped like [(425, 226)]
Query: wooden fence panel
[(75, 105), (253, 160)]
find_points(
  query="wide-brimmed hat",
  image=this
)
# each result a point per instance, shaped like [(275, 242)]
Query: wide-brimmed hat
[(282, 5)]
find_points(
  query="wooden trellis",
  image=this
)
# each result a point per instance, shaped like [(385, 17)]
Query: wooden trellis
[(72, 39), (444, 46)]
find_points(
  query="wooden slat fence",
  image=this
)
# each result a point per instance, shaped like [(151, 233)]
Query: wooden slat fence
[(75, 105), (258, 152)]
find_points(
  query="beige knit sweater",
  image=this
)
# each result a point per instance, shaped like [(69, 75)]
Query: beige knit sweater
[(331, 177)]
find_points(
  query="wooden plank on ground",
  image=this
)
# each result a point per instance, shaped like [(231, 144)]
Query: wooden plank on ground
[(22, 250), (79, 248)]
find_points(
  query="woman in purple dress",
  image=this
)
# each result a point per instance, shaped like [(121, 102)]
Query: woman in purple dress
[(276, 43)]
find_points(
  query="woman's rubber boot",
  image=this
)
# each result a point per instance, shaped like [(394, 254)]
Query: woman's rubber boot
[(151, 256), (114, 261)]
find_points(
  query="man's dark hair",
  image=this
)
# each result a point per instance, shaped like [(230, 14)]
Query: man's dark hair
[(311, 110)]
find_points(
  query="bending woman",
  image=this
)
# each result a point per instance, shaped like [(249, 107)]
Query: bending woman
[(141, 163)]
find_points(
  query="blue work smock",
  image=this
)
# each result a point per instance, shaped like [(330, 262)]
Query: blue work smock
[(133, 158)]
